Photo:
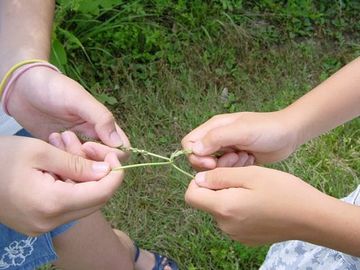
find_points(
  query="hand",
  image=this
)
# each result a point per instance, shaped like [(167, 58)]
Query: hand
[(33, 197), (242, 139), (256, 205), (44, 101)]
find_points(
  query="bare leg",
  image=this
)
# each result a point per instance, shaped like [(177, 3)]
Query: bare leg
[(92, 244), (146, 260)]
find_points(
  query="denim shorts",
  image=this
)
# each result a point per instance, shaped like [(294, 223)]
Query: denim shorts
[(19, 251)]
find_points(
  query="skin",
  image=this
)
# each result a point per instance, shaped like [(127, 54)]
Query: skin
[(41, 105), (36, 172), (72, 185), (255, 205), (112, 244)]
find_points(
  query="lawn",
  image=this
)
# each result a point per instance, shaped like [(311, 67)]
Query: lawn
[(164, 67)]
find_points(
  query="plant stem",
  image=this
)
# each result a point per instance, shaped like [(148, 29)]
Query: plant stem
[(169, 161), (141, 165), (144, 152), (182, 171)]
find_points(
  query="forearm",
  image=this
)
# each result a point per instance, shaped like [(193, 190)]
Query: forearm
[(25, 31), (334, 224), (332, 103)]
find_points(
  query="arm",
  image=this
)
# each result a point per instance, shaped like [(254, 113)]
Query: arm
[(32, 23), (273, 136), (42, 100), (332, 103), (256, 205)]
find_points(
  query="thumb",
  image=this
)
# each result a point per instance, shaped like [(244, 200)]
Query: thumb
[(201, 198), (107, 130), (97, 115), (72, 166), (223, 178), (220, 137)]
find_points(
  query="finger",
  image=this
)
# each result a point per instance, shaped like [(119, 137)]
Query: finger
[(68, 165), (56, 140), (223, 178), (89, 194), (95, 113), (199, 132), (72, 143), (202, 163), (242, 159), (250, 161), (200, 198), (228, 160), (221, 137), (97, 151), (104, 123)]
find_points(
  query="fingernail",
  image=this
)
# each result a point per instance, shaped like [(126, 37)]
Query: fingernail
[(115, 138), (200, 178), (100, 167), (198, 147), (243, 157), (54, 141), (65, 137)]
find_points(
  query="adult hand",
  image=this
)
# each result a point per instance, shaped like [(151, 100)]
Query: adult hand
[(241, 139), (35, 195), (44, 101), (256, 205)]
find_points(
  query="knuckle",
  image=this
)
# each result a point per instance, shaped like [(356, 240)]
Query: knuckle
[(216, 117), (224, 212), (184, 141), (219, 117), (41, 153), (41, 226), (76, 164), (49, 209), (107, 117)]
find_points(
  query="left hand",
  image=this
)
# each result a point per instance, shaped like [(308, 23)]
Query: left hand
[(256, 205), (44, 101)]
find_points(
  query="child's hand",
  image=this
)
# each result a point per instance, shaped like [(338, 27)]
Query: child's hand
[(242, 139), (38, 189), (256, 205), (44, 101)]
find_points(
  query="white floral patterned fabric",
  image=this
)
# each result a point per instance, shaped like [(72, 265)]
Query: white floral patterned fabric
[(293, 255)]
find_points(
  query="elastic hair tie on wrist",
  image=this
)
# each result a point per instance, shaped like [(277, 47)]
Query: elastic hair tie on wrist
[(14, 73), (15, 67)]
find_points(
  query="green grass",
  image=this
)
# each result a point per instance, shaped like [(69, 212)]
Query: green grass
[(162, 70), (150, 204)]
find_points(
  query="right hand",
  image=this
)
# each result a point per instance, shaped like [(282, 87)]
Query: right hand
[(33, 197), (240, 139)]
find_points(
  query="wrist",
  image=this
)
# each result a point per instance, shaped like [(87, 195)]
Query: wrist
[(332, 223), (296, 124), (19, 56), (290, 128), (21, 83)]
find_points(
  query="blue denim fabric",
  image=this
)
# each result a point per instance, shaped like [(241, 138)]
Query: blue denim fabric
[(19, 251)]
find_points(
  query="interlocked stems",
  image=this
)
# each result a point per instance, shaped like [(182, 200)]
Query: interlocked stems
[(168, 160)]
